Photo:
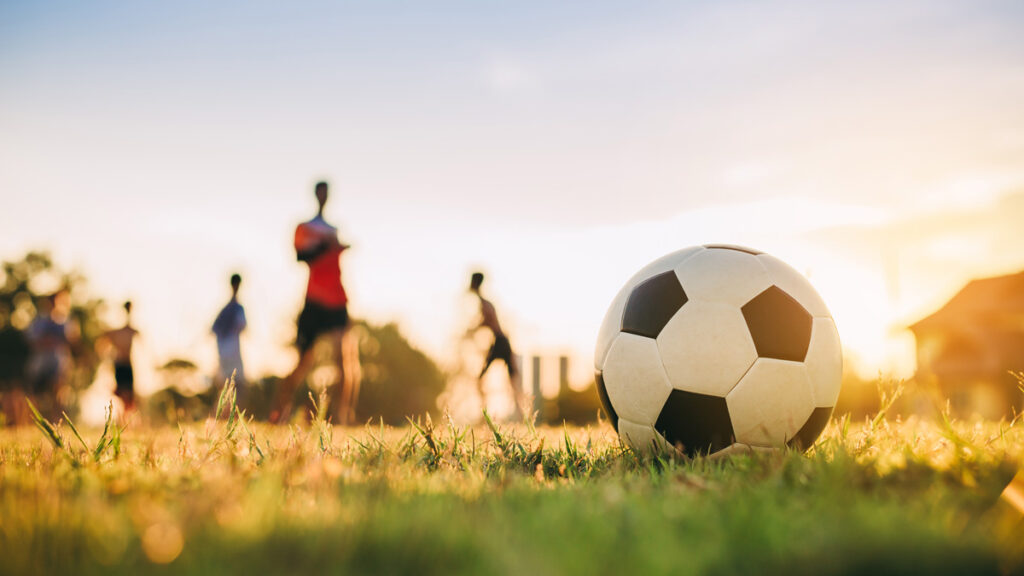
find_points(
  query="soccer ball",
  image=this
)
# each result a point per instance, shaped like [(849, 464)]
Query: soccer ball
[(718, 348)]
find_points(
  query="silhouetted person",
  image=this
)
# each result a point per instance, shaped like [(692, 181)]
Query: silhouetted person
[(51, 353), (227, 328), (325, 313), (15, 351), (501, 348), (120, 341)]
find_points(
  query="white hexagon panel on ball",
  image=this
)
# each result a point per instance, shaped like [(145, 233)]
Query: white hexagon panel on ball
[(771, 403), (635, 378)]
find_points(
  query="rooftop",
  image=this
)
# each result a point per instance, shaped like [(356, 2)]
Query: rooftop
[(982, 301)]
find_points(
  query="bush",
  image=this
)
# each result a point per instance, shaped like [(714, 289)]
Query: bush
[(398, 380)]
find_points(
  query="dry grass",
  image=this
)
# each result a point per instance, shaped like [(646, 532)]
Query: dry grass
[(232, 496)]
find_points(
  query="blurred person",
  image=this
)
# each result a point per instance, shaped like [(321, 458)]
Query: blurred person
[(227, 328), (13, 410), (15, 352), (324, 314), (501, 348), (50, 354), (120, 342)]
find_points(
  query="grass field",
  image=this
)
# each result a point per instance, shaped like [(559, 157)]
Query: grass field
[(878, 497)]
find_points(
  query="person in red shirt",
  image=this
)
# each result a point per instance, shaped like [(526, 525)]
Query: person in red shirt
[(325, 313)]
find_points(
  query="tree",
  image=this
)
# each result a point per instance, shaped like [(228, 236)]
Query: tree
[(398, 380), (24, 284)]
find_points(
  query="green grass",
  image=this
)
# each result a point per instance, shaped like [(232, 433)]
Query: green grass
[(235, 497)]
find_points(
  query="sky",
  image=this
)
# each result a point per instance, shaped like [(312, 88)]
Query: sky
[(878, 147)]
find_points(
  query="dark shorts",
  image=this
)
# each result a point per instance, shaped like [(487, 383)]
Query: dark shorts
[(124, 377), (315, 320), (501, 350)]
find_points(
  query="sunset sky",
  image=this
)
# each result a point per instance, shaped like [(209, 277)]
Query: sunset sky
[(878, 147)]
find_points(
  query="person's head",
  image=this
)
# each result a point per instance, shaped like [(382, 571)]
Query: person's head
[(236, 281), (475, 281), (321, 194)]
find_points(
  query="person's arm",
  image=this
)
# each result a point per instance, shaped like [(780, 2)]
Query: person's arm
[(489, 316), (218, 327), (335, 243), (308, 245), (309, 254)]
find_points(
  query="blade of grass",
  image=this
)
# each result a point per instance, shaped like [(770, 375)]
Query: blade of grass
[(102, 443), (74, 430), (46, 426)]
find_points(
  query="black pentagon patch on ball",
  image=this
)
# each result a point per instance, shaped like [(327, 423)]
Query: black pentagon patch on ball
[(780, 326), (606, 402), (811, 429), (652, 304), (695, 423), (733, 247)]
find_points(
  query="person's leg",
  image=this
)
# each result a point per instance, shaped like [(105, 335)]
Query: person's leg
[(350, 373), (5, 407), (353, 373), (487, 365), (21, 411), (309, 328), (517, 386), (127, 396), (342, 408), (491, 355), (130, 388), (241, 385), (282, 406), (63, 393), (10, 413), (14, 406), (42, 390), (231, 367)]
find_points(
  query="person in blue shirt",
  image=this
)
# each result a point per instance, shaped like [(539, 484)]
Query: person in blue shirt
[(50, 361), (227, 328)]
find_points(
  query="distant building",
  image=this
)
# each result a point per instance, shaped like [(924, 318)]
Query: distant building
[(970, 346)]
